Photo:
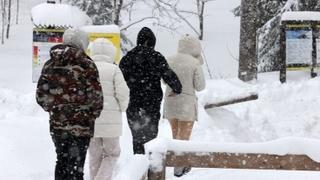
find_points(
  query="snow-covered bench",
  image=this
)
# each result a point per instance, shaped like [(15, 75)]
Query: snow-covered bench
[(281, 154)]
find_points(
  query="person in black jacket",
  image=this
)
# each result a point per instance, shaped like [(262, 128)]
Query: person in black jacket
[(143, 68)]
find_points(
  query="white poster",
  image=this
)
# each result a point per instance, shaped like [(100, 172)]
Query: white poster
[(299, 47)]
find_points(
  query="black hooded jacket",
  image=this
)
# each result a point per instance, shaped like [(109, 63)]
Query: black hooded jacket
[(143, 68)]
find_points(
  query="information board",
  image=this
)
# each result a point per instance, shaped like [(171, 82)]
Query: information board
[(43, 40), (299, 47)]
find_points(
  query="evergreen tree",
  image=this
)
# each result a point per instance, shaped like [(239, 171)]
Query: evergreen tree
[(100, 11)]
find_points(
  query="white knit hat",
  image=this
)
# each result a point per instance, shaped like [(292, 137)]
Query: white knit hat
[(76, 37), (102, 46), (192, 46)]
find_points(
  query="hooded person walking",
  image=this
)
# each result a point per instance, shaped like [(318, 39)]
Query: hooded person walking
[(104, 147), (182, 110), (69, 90), (143, 68)]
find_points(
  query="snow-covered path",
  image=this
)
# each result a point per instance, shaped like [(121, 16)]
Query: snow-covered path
[(27, 151)]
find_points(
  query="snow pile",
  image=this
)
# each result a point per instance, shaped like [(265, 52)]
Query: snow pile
[(68, 16), (14, 104), (222, 90), (282, 110), (301, 16), (134, 169)]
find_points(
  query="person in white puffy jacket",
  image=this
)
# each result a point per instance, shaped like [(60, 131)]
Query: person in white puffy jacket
[(104, 148)]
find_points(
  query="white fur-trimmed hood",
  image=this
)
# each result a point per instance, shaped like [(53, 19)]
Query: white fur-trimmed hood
[(102, 49), (190, 45)]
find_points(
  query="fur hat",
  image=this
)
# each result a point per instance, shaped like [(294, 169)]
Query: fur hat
[(192, 46), (76, 37), (102, 46)]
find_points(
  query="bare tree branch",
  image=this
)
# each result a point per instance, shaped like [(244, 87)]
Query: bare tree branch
[(136, 22)]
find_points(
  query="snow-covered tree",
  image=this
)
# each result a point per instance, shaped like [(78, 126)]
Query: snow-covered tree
[(100, 11), (309, 5), (269, 38)]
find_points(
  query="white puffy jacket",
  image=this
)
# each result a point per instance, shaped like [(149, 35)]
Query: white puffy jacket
[(115, 90), (187, 65)]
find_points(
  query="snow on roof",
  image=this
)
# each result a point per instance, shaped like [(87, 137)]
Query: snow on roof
[(301, 16), (101, 28), (283, 146), (59, 15)]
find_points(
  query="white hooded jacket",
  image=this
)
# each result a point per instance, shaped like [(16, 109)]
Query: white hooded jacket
[(187, 65), (114, 87)]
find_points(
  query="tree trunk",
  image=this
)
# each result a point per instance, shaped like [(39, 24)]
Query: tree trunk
[(3, 19), (201, 18), (117, 6), (17, 13), (9, 19), (247, 50)]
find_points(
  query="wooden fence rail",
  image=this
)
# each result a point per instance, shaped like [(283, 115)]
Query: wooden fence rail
[(233, 160), (232, 101)]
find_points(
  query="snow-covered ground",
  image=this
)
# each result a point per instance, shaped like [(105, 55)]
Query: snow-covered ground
[(282, 110)]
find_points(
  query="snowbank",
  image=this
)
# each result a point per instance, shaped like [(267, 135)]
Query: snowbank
[(58, 15), (134, 169), (222, 90)]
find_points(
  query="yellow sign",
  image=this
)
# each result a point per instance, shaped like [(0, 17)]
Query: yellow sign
[(298, 26), (113, 37)]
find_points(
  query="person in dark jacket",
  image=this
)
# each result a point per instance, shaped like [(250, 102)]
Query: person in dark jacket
[(69, 89), (143, 68)]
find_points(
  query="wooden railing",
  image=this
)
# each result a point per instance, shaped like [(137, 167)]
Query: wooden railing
[(232, 160), (232, 101), (202, 159)]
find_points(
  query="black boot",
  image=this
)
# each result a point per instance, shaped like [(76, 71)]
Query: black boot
[(180, 171)]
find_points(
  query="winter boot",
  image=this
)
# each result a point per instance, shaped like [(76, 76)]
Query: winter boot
[(180, 171)]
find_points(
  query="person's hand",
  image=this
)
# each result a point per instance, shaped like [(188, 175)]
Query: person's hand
[(172, 94)]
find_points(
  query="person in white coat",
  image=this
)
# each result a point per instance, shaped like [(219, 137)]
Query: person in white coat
[(181, 110), (104, 148)]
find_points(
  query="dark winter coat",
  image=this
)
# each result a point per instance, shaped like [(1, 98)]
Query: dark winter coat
[(69, 89), (143, 68)]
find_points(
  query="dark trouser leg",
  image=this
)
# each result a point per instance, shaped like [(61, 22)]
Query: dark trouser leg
[(78, 151), (144, 127), (71, 154), (61, 145)]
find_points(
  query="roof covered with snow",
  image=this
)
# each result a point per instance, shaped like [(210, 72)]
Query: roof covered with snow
[(301, 16), (58, 15)]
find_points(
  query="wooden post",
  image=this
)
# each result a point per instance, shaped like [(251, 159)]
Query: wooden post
[(314, 49), (283, 56), (157, 170)]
